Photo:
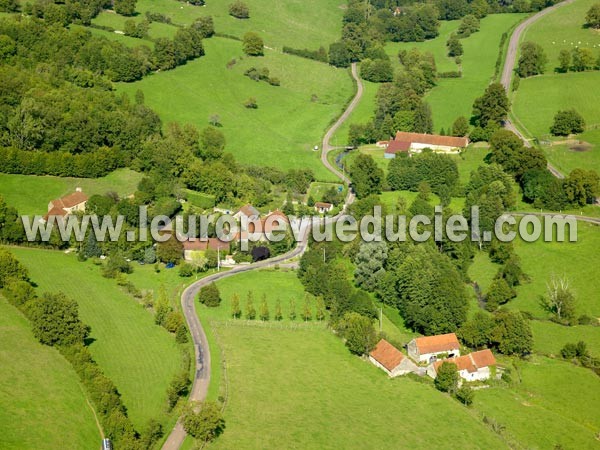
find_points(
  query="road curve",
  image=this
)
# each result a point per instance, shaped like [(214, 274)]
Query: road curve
[(201, 349), (509, 67)]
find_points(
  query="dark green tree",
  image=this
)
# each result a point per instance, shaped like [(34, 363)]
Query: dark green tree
[(492, 106), (367, 177), (532, 61), (203, 421), (447, 377), (460, 127), (209, 295), (359, 333)]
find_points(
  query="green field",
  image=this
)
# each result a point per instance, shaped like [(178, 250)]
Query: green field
[(31, 194), (555, 404), (290, 119), (43, 405), (362, 114), (453, 97), (302, 387), (139, 356), (539, 98)]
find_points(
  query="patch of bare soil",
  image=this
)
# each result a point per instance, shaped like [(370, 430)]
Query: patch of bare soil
[(581, 146)]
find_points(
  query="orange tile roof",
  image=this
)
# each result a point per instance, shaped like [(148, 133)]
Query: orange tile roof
[(470, 362), (70, 200), (204, 244), (323, 205), (483, 358), (398, 146), (249, 210), (55, 211), (431, 139), (387, 355), (437, 344)]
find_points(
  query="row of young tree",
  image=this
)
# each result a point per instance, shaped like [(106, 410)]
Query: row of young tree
[(533, 60)]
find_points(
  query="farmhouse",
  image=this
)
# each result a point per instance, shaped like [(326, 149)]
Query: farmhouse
[(323, 207), (416, 142), (194, 247), (428, 348), (390, 359), (472, 367), (275, 222), (64, 206), (248, 211)]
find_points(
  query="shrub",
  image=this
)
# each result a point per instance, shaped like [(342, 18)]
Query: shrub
[(186, 270), (209, 295), (206, 424), (465, 395), (239, 10), (251, 103), (253, 44), (447, 377)]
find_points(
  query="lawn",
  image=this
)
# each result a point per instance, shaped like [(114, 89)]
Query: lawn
[(362, 114), (31, 194), (454, 97), (117, 22), (139, 356), (43, 405), (304, 388), (549, 337), (555, 404), (318, 189), (290, 119)]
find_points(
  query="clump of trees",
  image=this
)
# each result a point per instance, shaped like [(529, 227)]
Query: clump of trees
[(454, 46), (532, 61), (567, 122), (579, 354), (239, 10), (253, 44), (367, 177), (262, 74), (507, 332), (124, 7), (377, 70), (592, 17), (203, 421), (560, 300), (489, 111)]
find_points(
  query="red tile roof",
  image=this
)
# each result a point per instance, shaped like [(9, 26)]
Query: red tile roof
[(70, 200), (437, 344), (249, 210), (387, 355), (470, 362), (431, 139), (323, 205), (483, 358), (204, 244), (398, 146)]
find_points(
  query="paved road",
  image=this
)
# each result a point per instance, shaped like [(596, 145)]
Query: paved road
[(509, 67), (201, 348)]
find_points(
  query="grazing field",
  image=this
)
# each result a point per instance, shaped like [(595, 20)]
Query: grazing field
[(43, 405), (549, 337), (363, 113), (31, 194), (274, 284), (277, 376), (539, 98), (290, 119), (295, 23), (453, 97), (578, 261), (554, 404), (140, 357)]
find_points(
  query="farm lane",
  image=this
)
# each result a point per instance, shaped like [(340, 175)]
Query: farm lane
[(202, 352)]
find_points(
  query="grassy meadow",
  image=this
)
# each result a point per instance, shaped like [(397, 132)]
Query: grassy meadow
[(273, 372), (43, 404), (454, 97), (539, 98), (140, 357), (31, 194), (290, 119)]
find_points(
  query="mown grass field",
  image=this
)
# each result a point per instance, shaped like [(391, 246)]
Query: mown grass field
[(453, 97), (290, 119), (554, 404), (43, 405), (140, 357), (31, 194), (539, 98), (304, 388)]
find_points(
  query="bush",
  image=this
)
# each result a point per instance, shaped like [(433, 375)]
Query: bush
[(239, 10), (450, 74), (317, 55), (253, 44), (567, 122), (251, 103), (206, 424), (209, 295), (186, 270), (465, 395), (447, 377)]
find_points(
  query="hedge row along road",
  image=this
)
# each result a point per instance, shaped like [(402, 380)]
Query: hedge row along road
[(202, 352)]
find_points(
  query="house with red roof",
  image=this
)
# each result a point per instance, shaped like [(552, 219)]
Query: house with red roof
[(475, 366), (323, 207), (62, 207), (428, 349), (193, 247), (391, 360), (406, 142)]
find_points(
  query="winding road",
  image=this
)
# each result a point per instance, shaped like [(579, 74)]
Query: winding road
[(509, 68), (202, 352)]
